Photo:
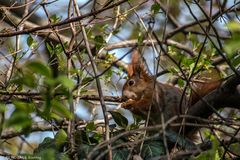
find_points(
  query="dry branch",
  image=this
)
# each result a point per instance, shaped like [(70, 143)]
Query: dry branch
[(67, 21)]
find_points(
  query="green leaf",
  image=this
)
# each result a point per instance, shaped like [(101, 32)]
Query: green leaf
[(97, 137), (47, 143), (90, 126), (235, 147), (155, 8), (39, 68), (24, 106), (58, 48), (49, 48), (180, 82), (66, 82), (49, 150), (232, 45), (236, 60), (211, 154), (61, 109), (119, 119), (234, 26), (60, 138), (19, 120), (140, 38), (120, 154), (152, 149), (27, 79), (2, 108), (54, 116), (54, 18), (30, 41), (99, 40), (108, 75), (48, 154)]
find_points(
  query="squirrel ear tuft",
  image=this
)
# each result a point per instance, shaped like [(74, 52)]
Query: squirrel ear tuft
[(130, 70), (136, 57), (137, 64), (134, 62)]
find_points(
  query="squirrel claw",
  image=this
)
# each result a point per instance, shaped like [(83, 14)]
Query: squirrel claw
[(128, 103)]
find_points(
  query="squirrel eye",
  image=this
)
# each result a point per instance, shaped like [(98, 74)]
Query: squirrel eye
[(131, 82)]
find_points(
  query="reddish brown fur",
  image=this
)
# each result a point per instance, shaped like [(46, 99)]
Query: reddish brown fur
[(144, 92), (207, 81), (162, 97)]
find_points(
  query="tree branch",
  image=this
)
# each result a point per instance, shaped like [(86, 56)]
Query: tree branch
[(225, 96), (8, 97), (67, 21)]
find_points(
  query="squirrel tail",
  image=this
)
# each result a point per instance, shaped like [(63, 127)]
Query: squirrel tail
[(205, 82)]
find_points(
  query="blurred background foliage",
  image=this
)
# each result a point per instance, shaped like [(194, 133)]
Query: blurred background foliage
[(49, 96)]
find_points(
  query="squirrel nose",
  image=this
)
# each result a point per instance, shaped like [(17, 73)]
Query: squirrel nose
[(128, 95), (124, 98)]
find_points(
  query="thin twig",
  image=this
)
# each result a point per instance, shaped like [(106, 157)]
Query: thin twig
[(67, 21), (99, 88)]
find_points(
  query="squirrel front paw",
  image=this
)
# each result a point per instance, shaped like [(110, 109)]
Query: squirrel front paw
[(128, 104)]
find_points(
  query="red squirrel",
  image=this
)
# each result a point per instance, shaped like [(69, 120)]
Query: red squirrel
[(142, 92)]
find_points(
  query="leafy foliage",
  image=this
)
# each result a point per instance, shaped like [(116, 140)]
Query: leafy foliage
[(46, 75), (49, 149), (153, 149), (119, 119)]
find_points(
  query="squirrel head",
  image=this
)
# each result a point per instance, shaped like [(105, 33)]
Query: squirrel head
[(139, 81)]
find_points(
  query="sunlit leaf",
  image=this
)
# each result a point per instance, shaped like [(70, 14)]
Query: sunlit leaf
[(232, 45), (49, 48), (140, 38), (2, 107), (233, 26), (30, 41), (97, 137), (212, 153), (38, 67), (54, 18), (58, 49), (24, 106), (60, 137), (66, 82), (61, 109), (236, 60), (180, 82), (90, 126)]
